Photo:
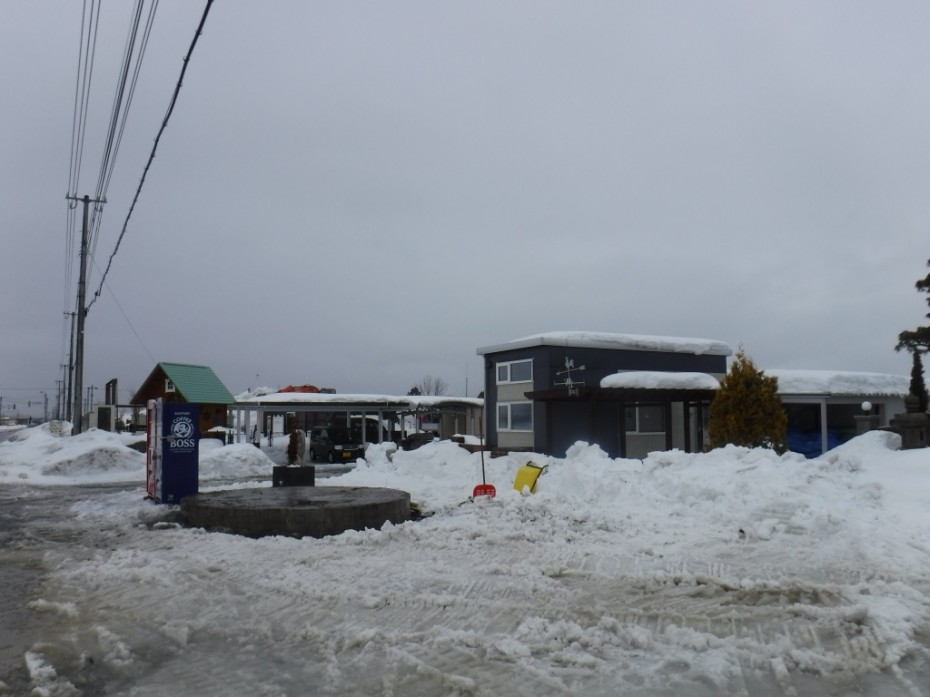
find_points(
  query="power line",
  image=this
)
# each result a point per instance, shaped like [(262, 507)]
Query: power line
[(174, 99), (4, 388), (87, 44), (153, 8), (90, 22), (129, 322), (87, 49), (122, 103)]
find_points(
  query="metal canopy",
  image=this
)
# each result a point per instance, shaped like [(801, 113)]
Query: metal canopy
[(627, 396), (623, 394)]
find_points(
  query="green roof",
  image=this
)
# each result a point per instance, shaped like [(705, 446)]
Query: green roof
[(198, 384)]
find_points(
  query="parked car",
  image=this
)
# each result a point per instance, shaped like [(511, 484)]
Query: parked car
[(335, 444)]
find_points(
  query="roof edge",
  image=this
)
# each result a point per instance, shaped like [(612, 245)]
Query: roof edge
[(615, 342)]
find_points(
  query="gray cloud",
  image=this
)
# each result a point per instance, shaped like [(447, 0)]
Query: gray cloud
[(356, 194)]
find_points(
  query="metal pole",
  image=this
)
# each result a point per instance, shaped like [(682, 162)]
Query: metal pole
[(70, 380), (78, 425), (77, 415)]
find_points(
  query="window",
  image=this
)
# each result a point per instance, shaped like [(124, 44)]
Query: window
[(515, 371), (515, 416), (645, 418), (169, 386)]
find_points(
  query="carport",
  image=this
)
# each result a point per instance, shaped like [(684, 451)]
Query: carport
[(600, 414), (449, 415)]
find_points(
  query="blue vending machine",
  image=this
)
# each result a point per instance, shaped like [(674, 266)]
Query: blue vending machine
[(172, 452)]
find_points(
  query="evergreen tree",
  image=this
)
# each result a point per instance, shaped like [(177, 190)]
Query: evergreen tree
[(918, 340), (918, 388), (747, 409)]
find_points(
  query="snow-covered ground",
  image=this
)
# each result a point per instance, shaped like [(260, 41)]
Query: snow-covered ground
[(736, 572)]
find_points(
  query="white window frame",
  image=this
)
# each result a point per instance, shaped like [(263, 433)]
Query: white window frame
[(505, 410), (636, 409), (169, 386), (509, 367)]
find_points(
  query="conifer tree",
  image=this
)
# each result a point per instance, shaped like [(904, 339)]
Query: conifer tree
[(747, 409), (918, 340), (918, 387)]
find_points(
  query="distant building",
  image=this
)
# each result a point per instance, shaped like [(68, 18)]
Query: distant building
[(635, 394), (544, 392), (825, 407), (399, 416), (188, 384)]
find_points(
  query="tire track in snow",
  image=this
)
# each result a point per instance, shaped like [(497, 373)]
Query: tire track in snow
[(521, 615)]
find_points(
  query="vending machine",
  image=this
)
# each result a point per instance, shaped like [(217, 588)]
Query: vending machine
[(172, 450)]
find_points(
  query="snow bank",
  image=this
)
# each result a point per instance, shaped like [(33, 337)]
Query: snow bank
[(738, 571), (37, 456)]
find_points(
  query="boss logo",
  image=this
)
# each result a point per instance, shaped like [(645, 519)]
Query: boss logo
[(182, 432)]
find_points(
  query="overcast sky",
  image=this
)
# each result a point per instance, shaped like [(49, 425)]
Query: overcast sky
[(357, 194)]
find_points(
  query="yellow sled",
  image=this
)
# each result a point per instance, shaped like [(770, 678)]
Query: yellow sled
[(527, 476)]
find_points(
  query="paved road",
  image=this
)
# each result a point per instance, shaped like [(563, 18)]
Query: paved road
[(425, 634), (5, 434), (30, 526)]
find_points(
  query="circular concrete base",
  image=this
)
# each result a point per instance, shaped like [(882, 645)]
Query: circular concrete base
[(296, 511)]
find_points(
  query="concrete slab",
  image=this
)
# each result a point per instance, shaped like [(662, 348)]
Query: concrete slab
[(296, 511), (287, 475)]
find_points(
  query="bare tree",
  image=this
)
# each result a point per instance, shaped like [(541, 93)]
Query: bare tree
[(430, 385)]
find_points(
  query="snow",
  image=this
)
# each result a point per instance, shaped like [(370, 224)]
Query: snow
[(658, 380), (628, 342), (387, 401), (36, 456), (827, 382), (736, 571)]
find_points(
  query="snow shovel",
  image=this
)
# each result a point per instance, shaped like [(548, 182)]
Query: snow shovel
[(483, 489)]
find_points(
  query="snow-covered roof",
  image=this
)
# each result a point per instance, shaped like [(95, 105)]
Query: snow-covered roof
[(831, 382), (658, 380), (604, 340), (394, 401)]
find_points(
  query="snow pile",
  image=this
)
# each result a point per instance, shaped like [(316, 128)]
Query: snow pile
[(242, 461), (36, 454)]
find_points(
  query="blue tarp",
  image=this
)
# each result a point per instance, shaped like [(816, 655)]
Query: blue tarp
[(808, 443)]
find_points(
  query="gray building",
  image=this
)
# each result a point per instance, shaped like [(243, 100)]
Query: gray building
[(545, 392), (827, 408)]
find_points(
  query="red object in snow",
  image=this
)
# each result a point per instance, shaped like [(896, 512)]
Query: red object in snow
[(484, 490)]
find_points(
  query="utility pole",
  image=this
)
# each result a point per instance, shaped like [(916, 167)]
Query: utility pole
[(78, 415), (70, 374), (90, 398), (62, 409)]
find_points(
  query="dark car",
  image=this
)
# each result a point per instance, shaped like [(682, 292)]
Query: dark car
[(335, 444)]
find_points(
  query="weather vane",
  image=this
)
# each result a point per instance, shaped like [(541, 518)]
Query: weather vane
[(570, 383)]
